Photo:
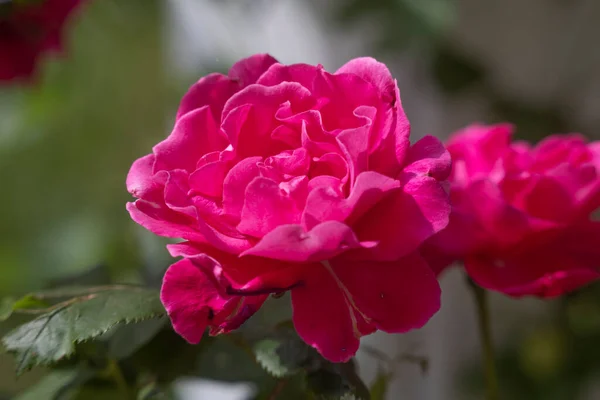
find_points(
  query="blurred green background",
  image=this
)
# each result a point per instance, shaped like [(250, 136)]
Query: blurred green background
[(67, 142)]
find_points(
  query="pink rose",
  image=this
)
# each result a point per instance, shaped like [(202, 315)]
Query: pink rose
[(27, 30), (291, 178), (521, 215)]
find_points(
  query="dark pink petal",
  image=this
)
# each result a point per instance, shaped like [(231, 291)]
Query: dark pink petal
[(176, 193), (394, 296), (208, 179), (463, 235), (292, 163), (304, 74), (141, 182), (347, 93), (548, 199), (249, 116), (212, 90), (506, 224), (555, 150), (332, 165), (536, 274), (235, 184), (293, 243), (266, 207), (195, 298), (163, 222), (480, 148), (429, 157), (550, 265), (245, 307), (390, 138), (322, 316), (194, 135), (191, 298), (354, 143), (248, 70), (183, 217), (247, 273), (374, 72), (405, 219), (325, 203)]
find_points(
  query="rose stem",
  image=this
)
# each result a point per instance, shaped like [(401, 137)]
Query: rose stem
[(485, 336)]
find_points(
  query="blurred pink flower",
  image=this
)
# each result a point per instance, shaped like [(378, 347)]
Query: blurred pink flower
[(291, 178), (521, 219), (27, 31)]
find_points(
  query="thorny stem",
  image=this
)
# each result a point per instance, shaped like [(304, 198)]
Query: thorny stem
[(487, 346), (278, 389)]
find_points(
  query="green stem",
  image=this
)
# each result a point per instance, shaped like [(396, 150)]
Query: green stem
[(485, 336), (114, 371)]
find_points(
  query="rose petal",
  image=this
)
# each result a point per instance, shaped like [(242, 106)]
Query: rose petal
[(429, 157), (374, 72), (194, 135), (389, 141), (249, 115), (325, 203), (405, 219), (395, 296), (140, 180), (235, 184), (212, 90), (247, 273), (293, 243), (248, 70), (322, 317), (480, 147), (192, 299), (266, 207), (208, 179), (354, 143), (163, 222)]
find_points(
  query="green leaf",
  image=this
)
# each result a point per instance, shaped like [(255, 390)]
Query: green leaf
[(127, 339), (6, 308), (52, 336), (56, 384), (337, 381), (9, 305), (380, 385), (27, 302), (283, 355)]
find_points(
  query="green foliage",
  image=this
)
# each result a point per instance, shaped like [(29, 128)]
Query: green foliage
[(53, 335), (6, 308), (337, 381), (57, 385), (379, 387), (284, 354)]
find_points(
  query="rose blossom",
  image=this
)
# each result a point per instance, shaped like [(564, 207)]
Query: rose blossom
[(286, 177), (521, 214), (27, 30)]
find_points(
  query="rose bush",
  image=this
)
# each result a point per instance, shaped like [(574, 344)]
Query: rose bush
[(27, 30), (286, 177), (521, 220)]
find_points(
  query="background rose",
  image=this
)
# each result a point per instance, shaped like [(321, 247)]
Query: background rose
[(521, 214), (27, 30), (291, 178)]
